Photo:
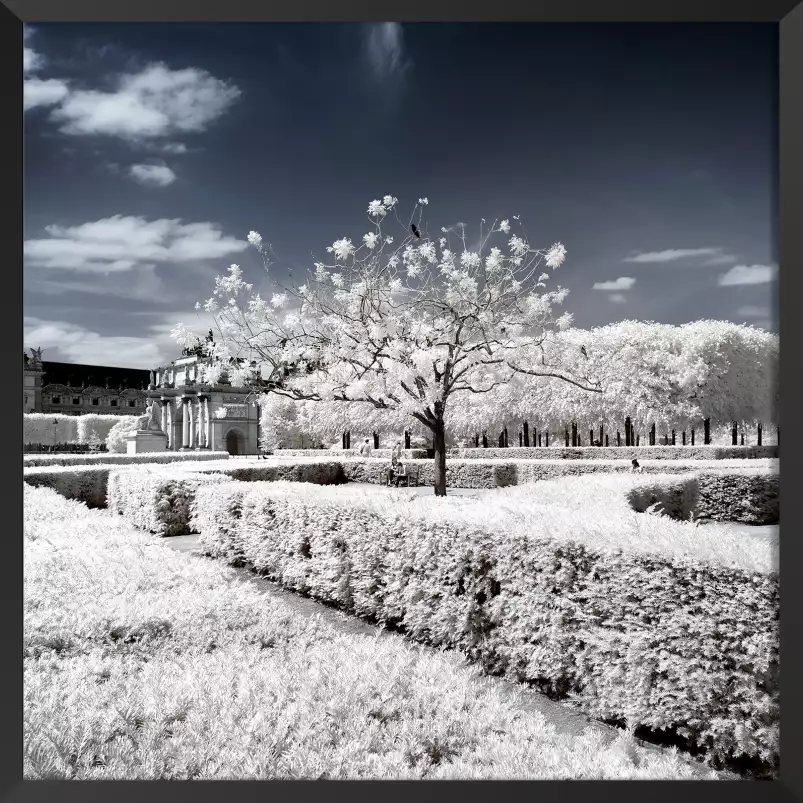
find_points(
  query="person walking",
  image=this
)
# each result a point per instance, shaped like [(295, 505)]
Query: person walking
[(365, 449), (395, 458)]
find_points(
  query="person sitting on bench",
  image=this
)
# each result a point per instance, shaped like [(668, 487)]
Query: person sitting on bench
[(399, 472)]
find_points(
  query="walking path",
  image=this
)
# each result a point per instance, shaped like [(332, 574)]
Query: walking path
[(564, 719)]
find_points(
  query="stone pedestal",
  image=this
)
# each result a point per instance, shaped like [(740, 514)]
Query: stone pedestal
[(146, 441)]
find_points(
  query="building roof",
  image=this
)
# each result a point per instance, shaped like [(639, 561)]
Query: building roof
[(76, 374)]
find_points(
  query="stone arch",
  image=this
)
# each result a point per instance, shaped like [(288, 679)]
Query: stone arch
[(235, 441)]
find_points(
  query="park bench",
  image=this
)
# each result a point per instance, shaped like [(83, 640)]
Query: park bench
[(410, 476)]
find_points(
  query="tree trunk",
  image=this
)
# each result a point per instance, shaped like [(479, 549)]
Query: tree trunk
[(547, 438), (439, 443), (637, 439), (521, 439), (707, 432), (567, 437), (539, 438), (734, 434), (673, 438), (742, 438), (406, 439), (600, 435), (476, 441), (684, 437), (652, 435), (501, 440), (376, 440), (484, 439), (692, 437), (618, 438), (526, 434), (759, 434), (606, 440), (574, 435), (628, 433), (505, 434), (590, 437)]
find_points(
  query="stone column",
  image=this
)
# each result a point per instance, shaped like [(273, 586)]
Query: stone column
[(185, 422), (200, 422), (169, 417), (191, 410), (164, 405)]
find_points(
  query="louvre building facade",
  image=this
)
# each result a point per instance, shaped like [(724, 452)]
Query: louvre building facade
[(74, 389)]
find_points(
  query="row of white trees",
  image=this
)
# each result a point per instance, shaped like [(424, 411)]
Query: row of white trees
[(407, 330), (673, 377)]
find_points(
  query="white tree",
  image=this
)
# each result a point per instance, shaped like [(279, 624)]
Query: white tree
[(404, 329)]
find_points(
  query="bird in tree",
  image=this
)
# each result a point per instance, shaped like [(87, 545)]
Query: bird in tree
[(583, 351), (414, 230)]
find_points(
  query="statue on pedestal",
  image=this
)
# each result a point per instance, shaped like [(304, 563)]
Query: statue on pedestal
[(148, 422)]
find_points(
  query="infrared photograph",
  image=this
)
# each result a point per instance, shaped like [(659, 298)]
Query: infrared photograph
[(400, 401)]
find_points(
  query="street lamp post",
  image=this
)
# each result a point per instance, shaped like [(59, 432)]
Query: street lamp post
[(55, 427)]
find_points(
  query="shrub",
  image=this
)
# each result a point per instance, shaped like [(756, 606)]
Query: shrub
[(156, 501), (95, 428), (38, 428), (116, 441), (85, 484), (560, 452), (121, 459)]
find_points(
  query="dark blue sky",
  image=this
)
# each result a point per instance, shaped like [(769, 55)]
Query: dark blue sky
[(618, 140)]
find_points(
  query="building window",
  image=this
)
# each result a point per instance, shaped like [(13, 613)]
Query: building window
[(132, 403), (114, 402), (76, 400), (57, 400), (95, 402)]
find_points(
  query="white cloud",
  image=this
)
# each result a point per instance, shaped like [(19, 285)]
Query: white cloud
[(622, 283), (722, 259), (31, 60), (748, 274), (38, 92), (152, 175), (753, 312), (385, 50), (119, 244), (175, 147), (156, 102), (617, 298), (673, 254), (75, 344)]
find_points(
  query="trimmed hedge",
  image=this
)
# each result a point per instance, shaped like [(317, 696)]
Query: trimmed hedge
[(38, 427), (85, 484), (662, 641), (474, 473), (156, 501), (747, 496), (407, 454), (619, 453), (328, 473), (119, 459)]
